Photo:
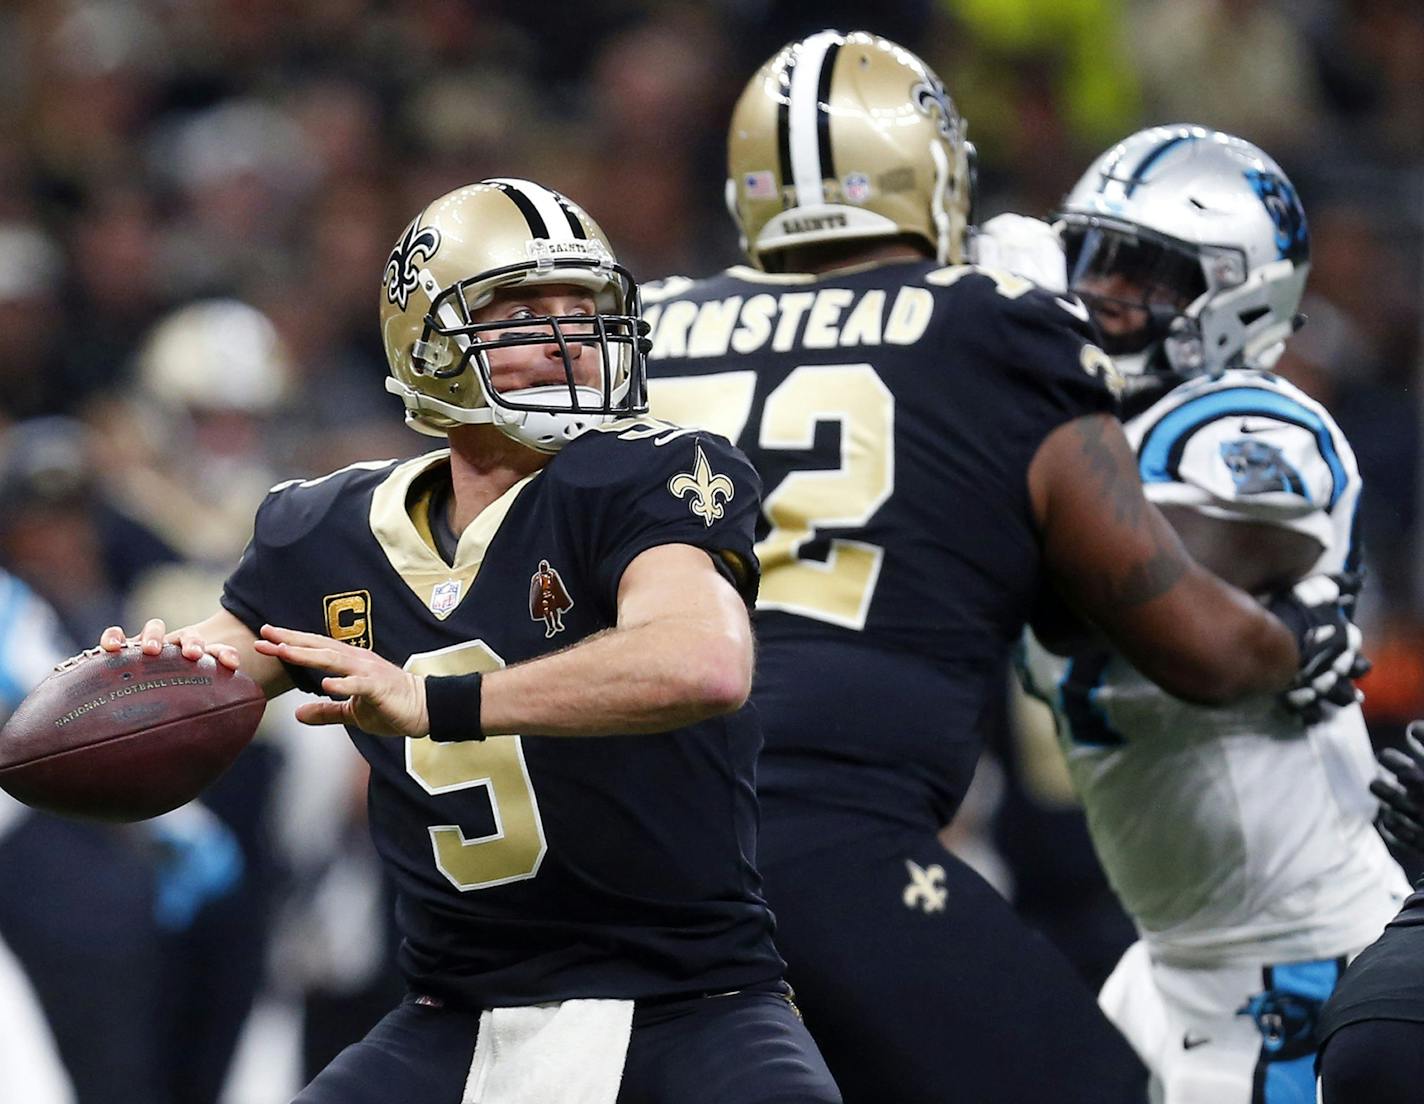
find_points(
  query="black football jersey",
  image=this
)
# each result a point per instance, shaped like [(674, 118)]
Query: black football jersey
[(537, 869), (892, 412)]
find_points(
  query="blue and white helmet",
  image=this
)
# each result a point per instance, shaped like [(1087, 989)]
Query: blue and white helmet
[(1212, 232)]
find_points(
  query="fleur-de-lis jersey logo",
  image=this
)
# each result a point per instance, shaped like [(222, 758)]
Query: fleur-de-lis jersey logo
[(926, 891), (704, 487), (401, 275)]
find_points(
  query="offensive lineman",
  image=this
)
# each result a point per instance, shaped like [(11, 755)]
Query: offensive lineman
[(581, 918), (1238, 838), (940, 446)]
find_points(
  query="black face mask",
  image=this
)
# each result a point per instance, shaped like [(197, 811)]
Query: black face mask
[(1165, 279)]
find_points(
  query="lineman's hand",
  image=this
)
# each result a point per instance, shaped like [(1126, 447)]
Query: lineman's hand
[(1024, 246), (1317, 610), (155, 634), (1401, 791), (378, 697)]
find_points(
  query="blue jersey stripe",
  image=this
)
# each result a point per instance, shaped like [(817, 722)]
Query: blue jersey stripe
[(12, 593), (1315, 980), (1290, 1082), (1285, 1075), (1163, 444)]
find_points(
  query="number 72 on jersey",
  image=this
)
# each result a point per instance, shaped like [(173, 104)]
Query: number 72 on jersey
[(839, 588)]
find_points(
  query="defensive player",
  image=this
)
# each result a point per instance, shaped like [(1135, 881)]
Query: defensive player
[(940, 446), (30, 1065), (581, 917), (1239, 839), (1372, 1028)]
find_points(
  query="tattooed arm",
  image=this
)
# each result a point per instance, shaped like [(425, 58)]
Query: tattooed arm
[(1115, 559)]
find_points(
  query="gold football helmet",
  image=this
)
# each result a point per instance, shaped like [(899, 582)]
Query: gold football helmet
[(447, 265), (846, 136)]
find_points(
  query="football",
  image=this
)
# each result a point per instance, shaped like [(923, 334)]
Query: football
[(124, 736)]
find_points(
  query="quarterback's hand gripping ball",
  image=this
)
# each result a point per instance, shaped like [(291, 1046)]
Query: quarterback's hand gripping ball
[(124, 735)]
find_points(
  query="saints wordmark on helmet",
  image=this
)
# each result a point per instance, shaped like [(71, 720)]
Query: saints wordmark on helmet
[(401, 274)]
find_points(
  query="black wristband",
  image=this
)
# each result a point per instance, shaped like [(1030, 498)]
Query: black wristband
[(452, 706)]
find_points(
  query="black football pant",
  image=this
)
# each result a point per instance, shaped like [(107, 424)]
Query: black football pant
[(746, 1048), (1374, 1062), (919, 982)]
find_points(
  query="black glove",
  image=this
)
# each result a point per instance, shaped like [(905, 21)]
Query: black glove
[(1318, 610), (1401, 791)]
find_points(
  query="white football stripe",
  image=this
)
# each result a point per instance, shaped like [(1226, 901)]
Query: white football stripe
[(806, 171)]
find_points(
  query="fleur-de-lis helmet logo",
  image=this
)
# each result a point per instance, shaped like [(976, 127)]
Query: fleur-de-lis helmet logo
[(704, 487), (401, 274), (932, 99)]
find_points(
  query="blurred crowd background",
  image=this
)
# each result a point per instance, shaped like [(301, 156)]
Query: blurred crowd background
[(197, 198)]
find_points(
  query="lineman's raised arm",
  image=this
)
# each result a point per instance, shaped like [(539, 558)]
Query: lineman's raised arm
[(1116, 560)]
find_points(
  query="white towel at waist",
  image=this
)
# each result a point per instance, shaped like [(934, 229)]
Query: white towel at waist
[(568, 1052)]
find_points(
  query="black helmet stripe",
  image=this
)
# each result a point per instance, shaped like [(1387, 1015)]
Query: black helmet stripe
[(538, 228), (1151, 159), (574, 225), (823, 112)]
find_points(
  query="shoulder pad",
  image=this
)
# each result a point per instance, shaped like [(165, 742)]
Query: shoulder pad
[(294, 507), (1042, 337), (644, 451), (1254, 441)]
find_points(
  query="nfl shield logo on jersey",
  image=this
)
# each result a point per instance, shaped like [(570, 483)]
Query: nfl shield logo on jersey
[(445, 597)]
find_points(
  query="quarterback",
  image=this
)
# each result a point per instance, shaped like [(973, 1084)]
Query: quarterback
[(1239, 838), (941, 449), (581, 918)]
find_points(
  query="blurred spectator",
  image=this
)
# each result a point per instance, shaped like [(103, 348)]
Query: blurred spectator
[(30, 1067), (59, 533), (192, 446), (1044, 85), (1243, 66), (31, 268), (1371, 60)]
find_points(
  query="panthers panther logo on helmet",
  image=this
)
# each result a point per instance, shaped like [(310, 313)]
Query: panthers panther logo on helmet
[(401, 274), (1283, 205), (1202, 236)]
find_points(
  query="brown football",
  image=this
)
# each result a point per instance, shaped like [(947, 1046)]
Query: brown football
[(124, 736)]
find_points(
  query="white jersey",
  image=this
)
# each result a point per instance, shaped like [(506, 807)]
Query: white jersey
[(1230, 834)]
